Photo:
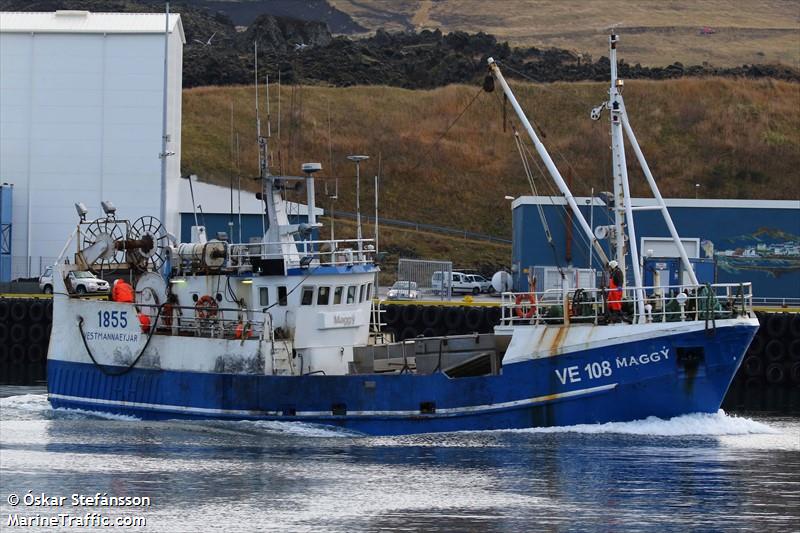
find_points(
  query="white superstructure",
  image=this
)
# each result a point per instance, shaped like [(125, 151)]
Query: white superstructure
[(81, 103)]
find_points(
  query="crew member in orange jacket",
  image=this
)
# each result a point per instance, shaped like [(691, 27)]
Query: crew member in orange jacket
[(615, 287), (122, 291)]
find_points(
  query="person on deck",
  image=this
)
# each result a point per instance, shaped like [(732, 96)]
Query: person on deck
[(615, 288), (122, 291)]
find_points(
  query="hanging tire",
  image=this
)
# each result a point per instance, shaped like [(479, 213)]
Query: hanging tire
[(17, 354), (775, 350), (408, 332), (48, 311), (493, 316), (18, 333), (794, 373), (3, 333), (432, 316), (391, 315), (473, 318), (453, 318), (36, 333), (777, 325), (36, 311), (16, 374), (754, 383), (757, 346), (4, 310), (776, 373), (19, 311), (3, 353), (411, 314), (429, 332), (794, 327), (794, 350), (753, 366), (35, 354)]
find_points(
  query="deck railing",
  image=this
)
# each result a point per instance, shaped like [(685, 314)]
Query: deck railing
[(338, 252), (662, 304), (207, 321)]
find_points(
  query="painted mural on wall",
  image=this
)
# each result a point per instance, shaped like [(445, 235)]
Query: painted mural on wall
[(768, 250)]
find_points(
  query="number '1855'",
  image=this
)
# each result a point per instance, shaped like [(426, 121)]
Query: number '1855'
[(112, 319)]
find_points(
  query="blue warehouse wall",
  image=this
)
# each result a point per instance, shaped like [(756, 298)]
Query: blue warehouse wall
[(251, 225), (757, 244)]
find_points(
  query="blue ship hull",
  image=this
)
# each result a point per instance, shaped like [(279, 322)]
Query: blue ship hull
[(662, 377)]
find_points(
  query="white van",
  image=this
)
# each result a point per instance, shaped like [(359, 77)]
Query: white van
[(459, 282)]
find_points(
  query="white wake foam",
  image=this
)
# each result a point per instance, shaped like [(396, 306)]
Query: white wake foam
[(36, 406), (23, 406), (697, 424), (299, 429)]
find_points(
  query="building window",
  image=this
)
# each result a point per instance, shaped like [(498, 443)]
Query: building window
[(337, 295), (361, 293), (263, 296), (308, 296), (351, 294), (282, 296), (323, 296)]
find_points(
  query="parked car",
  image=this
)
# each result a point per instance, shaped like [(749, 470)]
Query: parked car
[(484, 284), (459, 282), (403, 290), (81, 282)]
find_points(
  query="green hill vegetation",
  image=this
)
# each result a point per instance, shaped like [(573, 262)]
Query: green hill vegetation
[(736, 138)]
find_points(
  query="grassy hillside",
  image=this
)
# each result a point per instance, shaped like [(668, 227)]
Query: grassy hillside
[(654, 33), (736, 138)]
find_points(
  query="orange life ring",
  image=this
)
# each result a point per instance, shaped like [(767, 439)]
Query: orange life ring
[(520, 310), (206, 307)]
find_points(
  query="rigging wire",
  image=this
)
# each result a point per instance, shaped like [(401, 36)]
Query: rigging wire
[(447, 130), (542, 217)]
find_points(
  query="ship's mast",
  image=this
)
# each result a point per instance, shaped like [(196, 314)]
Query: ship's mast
[(622, 192), (620, 122)]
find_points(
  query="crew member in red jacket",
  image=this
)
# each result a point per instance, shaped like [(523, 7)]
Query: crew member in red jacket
[(615, 287), (122, 291)]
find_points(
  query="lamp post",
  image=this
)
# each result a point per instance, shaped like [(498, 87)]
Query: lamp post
[(357, 159)]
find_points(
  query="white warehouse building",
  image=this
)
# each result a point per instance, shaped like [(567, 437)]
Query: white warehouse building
[(81, 109)]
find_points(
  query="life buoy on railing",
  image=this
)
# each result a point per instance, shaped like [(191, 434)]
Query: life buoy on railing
[(206, 307), (522, 310)]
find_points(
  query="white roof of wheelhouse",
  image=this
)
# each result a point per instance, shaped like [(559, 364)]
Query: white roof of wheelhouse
[(73, 21)]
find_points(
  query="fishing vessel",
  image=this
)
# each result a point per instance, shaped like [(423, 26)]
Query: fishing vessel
[(280, 330)]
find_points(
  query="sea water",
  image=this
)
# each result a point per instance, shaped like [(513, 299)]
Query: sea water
[(696, 472)]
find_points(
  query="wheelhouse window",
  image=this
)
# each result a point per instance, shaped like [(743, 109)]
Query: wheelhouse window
[(263, 296), (323, 295), (369, 291), (337, 295), (361, 293), (282, 296), (308, 296), (351, 294)]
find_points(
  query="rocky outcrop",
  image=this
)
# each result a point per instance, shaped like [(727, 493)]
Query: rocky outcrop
[(306, 52)]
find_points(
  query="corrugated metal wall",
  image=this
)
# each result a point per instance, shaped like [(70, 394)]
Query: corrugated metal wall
[(726, 232)]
